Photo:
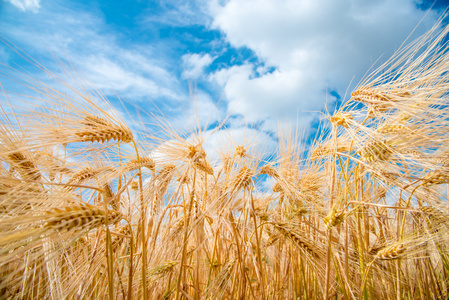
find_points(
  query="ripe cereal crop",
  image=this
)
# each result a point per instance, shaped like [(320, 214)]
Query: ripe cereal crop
[(92, 207)]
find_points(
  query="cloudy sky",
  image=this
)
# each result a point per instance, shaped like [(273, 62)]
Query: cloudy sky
[(259, 63)]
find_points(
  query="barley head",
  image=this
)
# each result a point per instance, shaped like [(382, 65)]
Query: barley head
[(79, 217), (100, 130), (391, 252)]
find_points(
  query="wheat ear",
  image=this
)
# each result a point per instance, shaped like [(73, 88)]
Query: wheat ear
[(391, 252), (100, 130), (243, 179), (79, 217), (24, 166)]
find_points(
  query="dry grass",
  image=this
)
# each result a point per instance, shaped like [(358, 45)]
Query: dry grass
[(88, 211)]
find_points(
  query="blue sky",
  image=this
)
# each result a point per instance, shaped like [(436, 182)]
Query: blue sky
[(262, 63)]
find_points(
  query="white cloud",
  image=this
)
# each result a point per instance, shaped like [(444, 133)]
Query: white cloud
[(279, 94), (24, 5), (110, 77), (82, 39), (313, 46), (194, 64)]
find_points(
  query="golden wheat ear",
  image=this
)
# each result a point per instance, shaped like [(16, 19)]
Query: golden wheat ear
[(269, 170), (243, 178), (24, 166), (162, 269), (145, 162), (31, 229), (80, 217), (376, 150), (341, 119), (100, 130), (299, 241), (391, 252), (205, 167)]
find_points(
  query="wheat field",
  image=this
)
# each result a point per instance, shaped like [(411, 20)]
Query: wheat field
[(93, 208)]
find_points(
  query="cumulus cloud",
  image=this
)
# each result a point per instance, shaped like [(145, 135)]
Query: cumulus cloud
[(194, 64), (24, 5), (313, 47)]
